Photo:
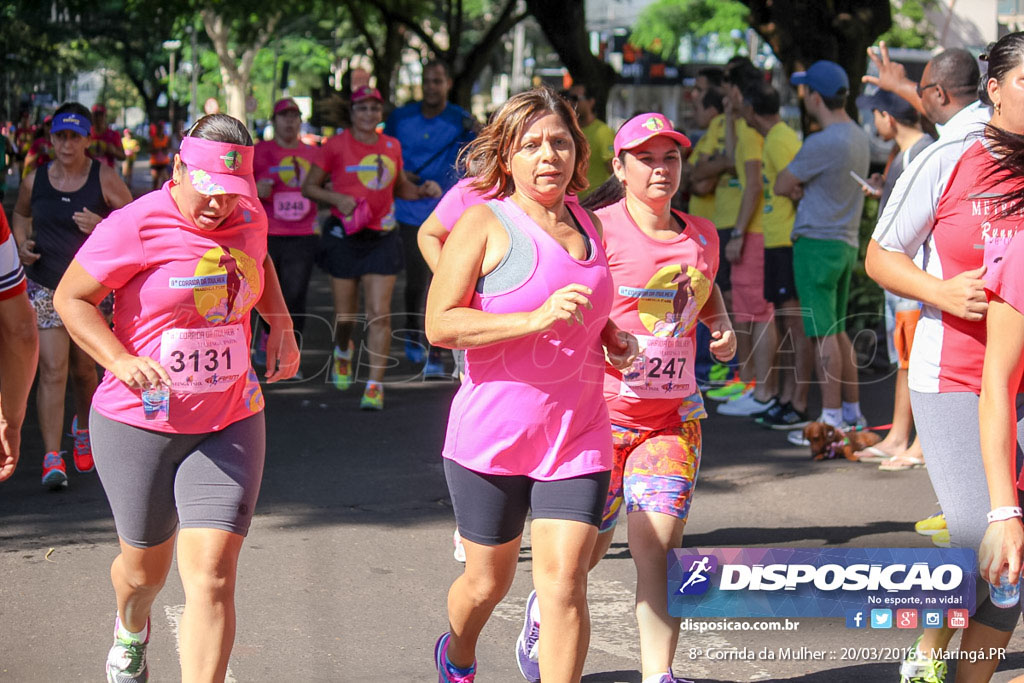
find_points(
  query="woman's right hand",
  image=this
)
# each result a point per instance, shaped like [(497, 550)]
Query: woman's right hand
[(964, 295), (25, 253), (565, 304), (344, 203), (1001, 547), (139, 372)]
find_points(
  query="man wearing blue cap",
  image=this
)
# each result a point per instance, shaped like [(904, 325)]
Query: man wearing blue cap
[(825, 233)]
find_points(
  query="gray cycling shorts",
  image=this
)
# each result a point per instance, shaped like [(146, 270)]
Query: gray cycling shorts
[(157, 482)]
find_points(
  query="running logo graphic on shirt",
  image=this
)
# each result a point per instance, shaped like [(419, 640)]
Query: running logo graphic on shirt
[(229, 298), (375, 171), (670, 301), (291, 170)]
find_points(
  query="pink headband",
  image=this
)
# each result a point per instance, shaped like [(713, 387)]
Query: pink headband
[(218, 167)]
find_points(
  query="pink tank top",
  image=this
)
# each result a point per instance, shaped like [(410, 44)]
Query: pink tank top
[(534, 406)]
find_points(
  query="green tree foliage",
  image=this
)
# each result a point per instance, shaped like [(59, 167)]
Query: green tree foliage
[(911, 27), (664, 24)]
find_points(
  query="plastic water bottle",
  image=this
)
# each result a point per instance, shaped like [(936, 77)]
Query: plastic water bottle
[(1006, 594), (156, 403)]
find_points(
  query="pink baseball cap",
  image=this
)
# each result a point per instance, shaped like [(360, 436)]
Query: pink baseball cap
[(285, 104), (219, 167), (642, 128), (365, 92)]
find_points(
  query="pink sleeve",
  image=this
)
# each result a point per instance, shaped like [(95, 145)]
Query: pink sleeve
[(455, 202), (113, 254), (1008, 283), (326, 158)]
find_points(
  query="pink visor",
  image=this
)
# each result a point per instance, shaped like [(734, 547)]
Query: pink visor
[(642, 128), (218, 167)]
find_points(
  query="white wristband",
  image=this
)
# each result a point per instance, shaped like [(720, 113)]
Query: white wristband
[(1004, 513)]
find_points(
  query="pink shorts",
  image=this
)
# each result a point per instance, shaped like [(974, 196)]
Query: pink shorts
[(748, 302)]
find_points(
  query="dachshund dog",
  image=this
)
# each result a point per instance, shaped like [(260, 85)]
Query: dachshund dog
[(829, 442)]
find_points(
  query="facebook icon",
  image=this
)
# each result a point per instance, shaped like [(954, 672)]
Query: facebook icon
[(855, 618)]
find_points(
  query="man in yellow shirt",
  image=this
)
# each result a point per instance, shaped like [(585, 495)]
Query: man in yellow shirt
[(752, 314), (781, 143), (598, 134)]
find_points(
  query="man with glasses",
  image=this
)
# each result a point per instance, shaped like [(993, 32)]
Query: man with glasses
[(598, 134), (947, 94)]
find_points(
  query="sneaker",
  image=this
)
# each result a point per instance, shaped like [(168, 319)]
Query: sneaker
[(55, 475), (796, 437), (373, 398), (917, 668), (82, 452), (526, 643), (434, 368), (719, 374), (746, 406), (786, 417), (414, 352), (341, 370), (460, 550), (666, 677), (929, 526), (729, 389), (940, 539), (444, 673), (126, 661)]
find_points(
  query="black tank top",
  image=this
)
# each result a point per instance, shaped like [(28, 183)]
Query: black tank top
[(56, 236)]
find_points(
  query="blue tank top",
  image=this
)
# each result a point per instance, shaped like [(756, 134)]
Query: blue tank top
[(56, 235)]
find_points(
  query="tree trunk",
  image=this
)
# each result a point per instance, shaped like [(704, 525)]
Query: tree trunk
[(235, 69), (801, 32), (564, 25)]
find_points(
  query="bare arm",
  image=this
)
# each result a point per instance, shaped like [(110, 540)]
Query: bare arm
[(21, 222), (893, 77), (475, 246), (115, 193), (313, 188), (710, 167), (405, 188), (748, 205), (430, 238), (997, 420), (716, 317), (76, 299), (282, 352), (788, 185), (962, 295)]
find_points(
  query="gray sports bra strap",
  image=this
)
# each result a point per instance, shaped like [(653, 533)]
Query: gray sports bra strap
[(517, 263)]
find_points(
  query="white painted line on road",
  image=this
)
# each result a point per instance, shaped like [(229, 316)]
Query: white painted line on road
[(174, 618)]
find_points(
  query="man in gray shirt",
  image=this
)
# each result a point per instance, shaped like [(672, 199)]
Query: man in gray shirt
[(825, 233)]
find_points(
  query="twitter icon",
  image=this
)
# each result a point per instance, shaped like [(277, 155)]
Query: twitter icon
[(881, 618)]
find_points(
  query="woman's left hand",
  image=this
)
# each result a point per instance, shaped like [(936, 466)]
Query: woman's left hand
[(1001, 548), (723, 344), (282, 353), (430, 189), (86, 220), (621, 350)]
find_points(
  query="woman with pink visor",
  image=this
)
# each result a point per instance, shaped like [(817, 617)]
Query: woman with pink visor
[(177, 423)]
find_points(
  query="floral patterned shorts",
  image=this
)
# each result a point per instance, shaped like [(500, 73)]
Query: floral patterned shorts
[(46, 315)]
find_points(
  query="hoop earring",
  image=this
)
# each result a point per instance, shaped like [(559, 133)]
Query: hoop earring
[(999, 106)]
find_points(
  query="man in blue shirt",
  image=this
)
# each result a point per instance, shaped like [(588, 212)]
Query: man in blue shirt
[(431, 132)]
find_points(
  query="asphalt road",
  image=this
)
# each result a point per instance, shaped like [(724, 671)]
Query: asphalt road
[(345, 571)]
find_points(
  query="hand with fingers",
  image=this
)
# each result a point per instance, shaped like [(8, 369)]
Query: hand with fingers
[(964, 295), (86, 220), (566, 304), (723, 343), (1001, 549), (892, 76), (140, 372), (620, 349)]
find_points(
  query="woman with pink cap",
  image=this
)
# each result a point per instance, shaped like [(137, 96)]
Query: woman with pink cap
[(663, 263), (360, 243), (177, 423), (280, 166)]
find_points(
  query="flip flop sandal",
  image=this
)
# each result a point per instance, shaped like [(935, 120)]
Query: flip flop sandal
[(874, 454), (898, 463)]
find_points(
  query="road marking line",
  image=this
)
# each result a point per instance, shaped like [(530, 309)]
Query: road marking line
[(174, 619)]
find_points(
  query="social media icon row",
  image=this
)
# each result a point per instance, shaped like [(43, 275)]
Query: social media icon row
[(905, 618)]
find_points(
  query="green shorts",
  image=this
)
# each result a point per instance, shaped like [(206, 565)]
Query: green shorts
[(822, 270)]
